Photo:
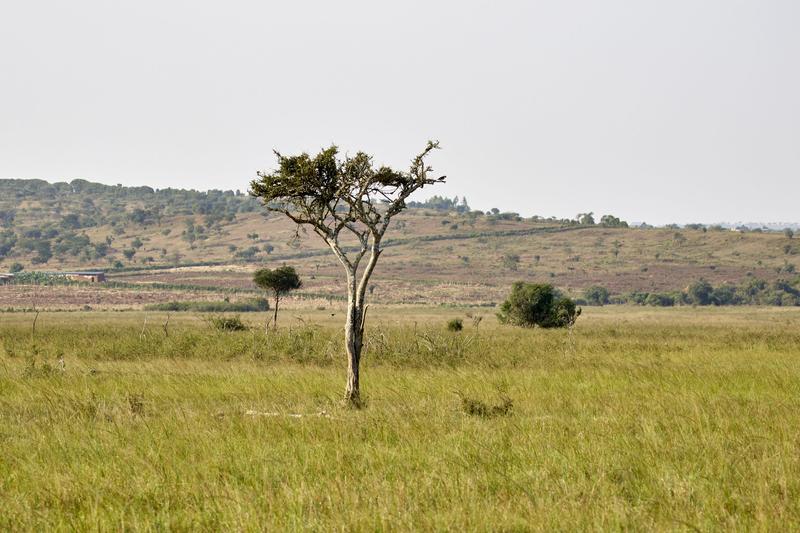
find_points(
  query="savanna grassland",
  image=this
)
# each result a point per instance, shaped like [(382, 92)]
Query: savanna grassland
[(638, 418)]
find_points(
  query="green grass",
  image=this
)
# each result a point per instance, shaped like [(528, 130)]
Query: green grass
[(642, 419)]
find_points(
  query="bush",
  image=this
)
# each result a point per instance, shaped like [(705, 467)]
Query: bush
[(455, 325), (534, 304), (227, 323), (596, 295), (659, 300), (725, 295), (700, 292)]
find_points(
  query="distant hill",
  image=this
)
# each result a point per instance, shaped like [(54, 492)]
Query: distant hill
[(438, 251)]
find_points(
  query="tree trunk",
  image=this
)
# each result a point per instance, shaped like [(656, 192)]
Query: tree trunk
[(353, 337), (275, 316)]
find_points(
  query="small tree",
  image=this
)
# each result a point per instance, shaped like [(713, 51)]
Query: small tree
[(533, 304), (596, 295), (789, 232), (700, 292), (350, 195), (279, 282)]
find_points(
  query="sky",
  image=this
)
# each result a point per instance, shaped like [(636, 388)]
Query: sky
[(656, 111)]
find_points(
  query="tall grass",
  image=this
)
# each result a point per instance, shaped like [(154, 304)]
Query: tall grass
[(634, 420)]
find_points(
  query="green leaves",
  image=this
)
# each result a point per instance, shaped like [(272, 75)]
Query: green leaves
[(331, 193), (280, 281), (534, 304)]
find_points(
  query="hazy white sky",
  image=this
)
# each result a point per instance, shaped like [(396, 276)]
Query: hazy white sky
[(662, 111)]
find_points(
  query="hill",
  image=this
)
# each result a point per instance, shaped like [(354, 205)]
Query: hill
[(438, 251)]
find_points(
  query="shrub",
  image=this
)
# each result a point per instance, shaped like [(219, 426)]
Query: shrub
[(596, 295), (725, 295), (533, 304), (659, 300), (700, 292), (227, 323), (455, 324)]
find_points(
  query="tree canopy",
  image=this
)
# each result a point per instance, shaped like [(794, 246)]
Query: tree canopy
[(279, 282)]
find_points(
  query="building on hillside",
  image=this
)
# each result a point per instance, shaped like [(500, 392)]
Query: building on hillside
[(90, 276), (5, 278)]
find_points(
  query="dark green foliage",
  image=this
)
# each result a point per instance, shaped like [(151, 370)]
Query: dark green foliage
[(43, 252), (71, 221), (248, 254), (700, 292), (652, 298), (227, 323), (455, 325), (479, 408), (534, 304), (659, 300), (7, 217), (750, 292), (311, 189), (280, 281), (79, 245), (252, 306), (610, 221), (725, 295), (7, 241), (596, 295), (442, 203), (15, 268), (696, 227), (514, 217)]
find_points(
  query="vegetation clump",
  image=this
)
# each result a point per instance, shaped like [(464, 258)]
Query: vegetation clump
[(535, 304), (455, 325), (256, 305), (479, 408), (596, 295), (227, 323)]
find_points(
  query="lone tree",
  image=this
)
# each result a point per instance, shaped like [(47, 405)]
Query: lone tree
[(334, 195), (280, 282)]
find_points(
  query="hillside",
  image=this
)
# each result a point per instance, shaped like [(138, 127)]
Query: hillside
[(437, 253)]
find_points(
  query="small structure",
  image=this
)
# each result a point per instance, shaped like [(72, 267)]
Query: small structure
[(90, 276), (5, 278)]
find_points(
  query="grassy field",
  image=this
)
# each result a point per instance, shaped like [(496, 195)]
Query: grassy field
[(643, 419)]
